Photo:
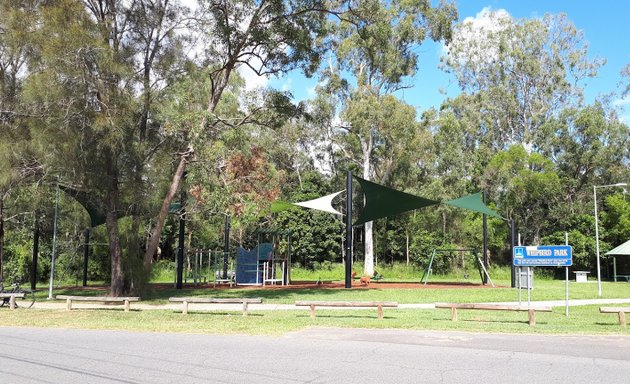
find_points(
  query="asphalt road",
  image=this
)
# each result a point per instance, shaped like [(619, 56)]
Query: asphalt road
[(33, 355)]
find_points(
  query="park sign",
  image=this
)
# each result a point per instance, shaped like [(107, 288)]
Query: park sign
[(543, 256)]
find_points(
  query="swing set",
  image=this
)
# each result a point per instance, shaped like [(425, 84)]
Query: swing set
[(450, 252)]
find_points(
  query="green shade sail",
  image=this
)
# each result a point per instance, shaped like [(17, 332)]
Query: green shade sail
[(279, 206), (473, 203), (97, 216), (382, 202)]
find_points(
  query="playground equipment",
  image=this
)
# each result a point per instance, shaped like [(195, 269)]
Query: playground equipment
[(269, 262), (476, 260), (202, 266)]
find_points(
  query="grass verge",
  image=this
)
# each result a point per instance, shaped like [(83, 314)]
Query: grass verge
[(582, 320)]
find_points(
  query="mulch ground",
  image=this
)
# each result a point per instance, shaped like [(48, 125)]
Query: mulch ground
[(355, 285), (322, 285)]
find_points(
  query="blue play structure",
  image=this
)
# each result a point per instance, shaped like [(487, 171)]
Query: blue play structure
[(250, 264)]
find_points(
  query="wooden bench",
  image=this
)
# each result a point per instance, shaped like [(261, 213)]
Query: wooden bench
[(102, 299), (619, 310), (348, 304), (12, 297), (210, 300), (531, 311)]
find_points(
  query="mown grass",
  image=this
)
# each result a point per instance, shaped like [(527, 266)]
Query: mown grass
[(582, 320)]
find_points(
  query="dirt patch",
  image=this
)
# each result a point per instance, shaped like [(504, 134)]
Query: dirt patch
[(355, 285)]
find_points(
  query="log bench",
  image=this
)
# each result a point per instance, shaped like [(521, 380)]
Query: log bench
[(210, 300), (619, 310), (97, 299), (348, 304), (531, 311), (12, 297)]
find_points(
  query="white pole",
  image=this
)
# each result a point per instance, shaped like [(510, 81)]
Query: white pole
[(54, 245), (529, 288), (599, 276), (519, 286)]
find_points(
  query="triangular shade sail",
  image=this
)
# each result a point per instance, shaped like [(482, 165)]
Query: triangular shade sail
[(473, 203), (382, 202), (622, 250), (323, 203), (97, 217)]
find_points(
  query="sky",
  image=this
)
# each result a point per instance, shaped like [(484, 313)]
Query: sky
[(604, 23)]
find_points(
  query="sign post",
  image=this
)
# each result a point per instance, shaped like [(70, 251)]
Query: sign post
[(544, 256)]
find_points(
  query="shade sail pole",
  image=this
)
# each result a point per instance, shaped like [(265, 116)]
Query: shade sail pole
[(485, 241), (349, 229)]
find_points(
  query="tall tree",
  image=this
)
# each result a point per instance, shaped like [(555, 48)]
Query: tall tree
[(17, 21), (378, 50), (96, 72), (518, 73), (269, 37)]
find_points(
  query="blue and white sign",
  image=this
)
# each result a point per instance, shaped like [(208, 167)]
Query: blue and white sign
[(543, 256)]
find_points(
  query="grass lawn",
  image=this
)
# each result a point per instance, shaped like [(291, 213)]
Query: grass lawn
[(582, 320)]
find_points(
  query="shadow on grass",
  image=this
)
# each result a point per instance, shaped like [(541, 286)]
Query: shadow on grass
[(200, 314), (100, 309), (331, 316)]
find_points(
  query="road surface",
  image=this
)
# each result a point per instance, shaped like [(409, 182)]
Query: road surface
[(317, 355)]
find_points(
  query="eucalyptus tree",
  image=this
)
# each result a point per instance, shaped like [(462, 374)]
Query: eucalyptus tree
[(527, 187), (590, 146), (378, 50), (516, 74), (268, 37)]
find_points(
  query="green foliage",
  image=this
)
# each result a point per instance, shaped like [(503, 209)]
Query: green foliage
[(316, 237), (616, 219), (105, 99)]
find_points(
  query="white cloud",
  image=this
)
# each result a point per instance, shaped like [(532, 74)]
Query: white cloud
[(311, 91), (287, 85), (252, 80), (622, 102), (486, 19), (478, 32)]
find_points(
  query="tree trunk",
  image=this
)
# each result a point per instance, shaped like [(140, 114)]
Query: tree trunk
[(219, 84), (1, 237), (154, 239), (368, 264), (407, 246), (113, 235)]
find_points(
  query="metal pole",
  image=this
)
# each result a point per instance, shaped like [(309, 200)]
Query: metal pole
[(599, 277), (54, 245), (529, 287), (485, 241), (35, 252), (512, 236), (519, 286), (226, 246), (348, 229)]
